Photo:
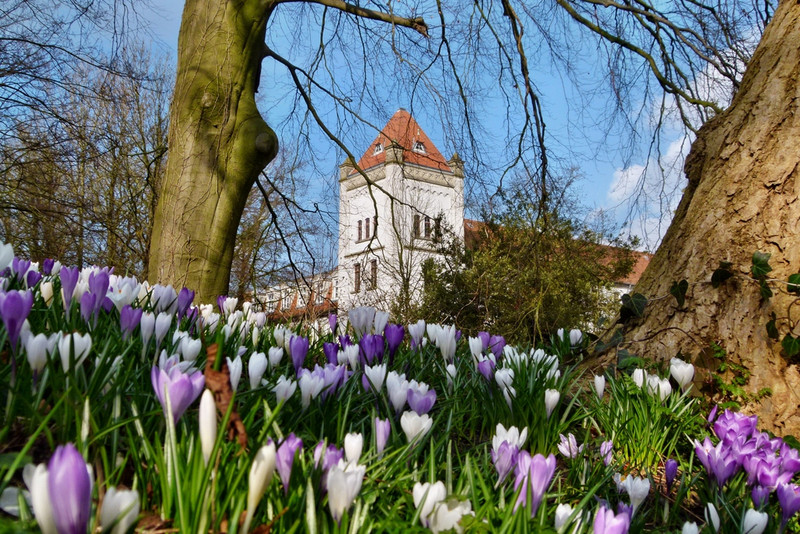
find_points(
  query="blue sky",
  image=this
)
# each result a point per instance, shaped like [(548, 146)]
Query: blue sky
[(609, 164)]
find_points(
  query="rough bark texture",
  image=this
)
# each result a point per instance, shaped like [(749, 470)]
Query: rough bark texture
[(218, 143), (742, 197)]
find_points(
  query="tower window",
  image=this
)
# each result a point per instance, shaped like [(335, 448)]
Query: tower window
[(378, 149), (366, 228), (373, 275), (416, 230), (357, 278), (427, 227), (419, 147), (359, 230)]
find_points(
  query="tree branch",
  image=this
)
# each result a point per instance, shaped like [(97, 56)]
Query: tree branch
[(417, 24)]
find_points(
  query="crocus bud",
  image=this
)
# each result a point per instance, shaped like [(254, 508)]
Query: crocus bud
[(208, 424), (256, 368), (40, 500), (426, 497), (690, 528), (163, 324), (682, 372), (551, 397), (599, 385), (382, 429), (70, 490), (353, 443), (712, 517), (235, 370), (121, 509), (261, 471), (46, 289)]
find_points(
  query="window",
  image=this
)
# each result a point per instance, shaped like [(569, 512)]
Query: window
[(427, 227), (366, 228), (378, 149), (419, 147), (287, 301), (359, 231), (416, 225), (357, 278), (320, 293), (437, 228), (373, 275)]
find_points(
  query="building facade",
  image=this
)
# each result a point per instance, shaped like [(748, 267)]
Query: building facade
[(396, 205)]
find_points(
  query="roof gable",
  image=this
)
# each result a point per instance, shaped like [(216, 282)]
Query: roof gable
[(418, 149)]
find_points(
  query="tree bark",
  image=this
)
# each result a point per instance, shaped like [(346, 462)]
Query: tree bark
[(742, 196), (218, 144)]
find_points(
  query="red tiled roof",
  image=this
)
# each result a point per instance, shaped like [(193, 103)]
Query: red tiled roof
[(405, 131)]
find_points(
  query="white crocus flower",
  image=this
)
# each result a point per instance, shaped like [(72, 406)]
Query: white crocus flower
[(426, 497), (397, 388), (599, 385), (690, 528), (637, 489), (261, 471), (256, 367), (447, 514), (512, 435), (274, 355), (343, 484), (415, 425), (208, 424), (121, 509), (682, 372), (379, 323), (376, 375), (284, 388), (551, 398), (712, 517), (476, 348), (353, 444), (754, 522), (638, 377), (81, 344), (235, 370)]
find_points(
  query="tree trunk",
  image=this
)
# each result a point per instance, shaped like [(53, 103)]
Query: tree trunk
[(742, 197), (218, 144)]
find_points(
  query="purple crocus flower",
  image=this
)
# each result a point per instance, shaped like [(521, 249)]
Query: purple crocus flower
[(98, 284), (504, 459), (20, 267), (331, 351), (183, 387), (298, 346), (731, 425), (533, 474), (789, 497), (32, 278), (88, 306), (14, 309), (69, 279), (670, 470), (421, 402), (606, 522), (486, 368), (394, 336), (285, 459), (185, 298), (370, 347), (129, 319), (383, 428), (47, 265), (484, 337), (70, 489), (607, 451), (333, 322), (497, 344), (760, 496)]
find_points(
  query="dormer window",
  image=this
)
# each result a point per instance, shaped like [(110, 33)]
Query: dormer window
[(419, 147), (378, 149)]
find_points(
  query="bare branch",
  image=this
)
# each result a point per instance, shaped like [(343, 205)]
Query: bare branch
[(417, 24)]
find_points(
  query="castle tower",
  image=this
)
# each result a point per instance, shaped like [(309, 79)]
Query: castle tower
[(394, 219)]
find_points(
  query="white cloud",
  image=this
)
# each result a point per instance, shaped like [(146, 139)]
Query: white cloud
[(645, 195)]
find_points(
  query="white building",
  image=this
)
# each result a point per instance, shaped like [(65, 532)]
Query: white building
[(401, 200)]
